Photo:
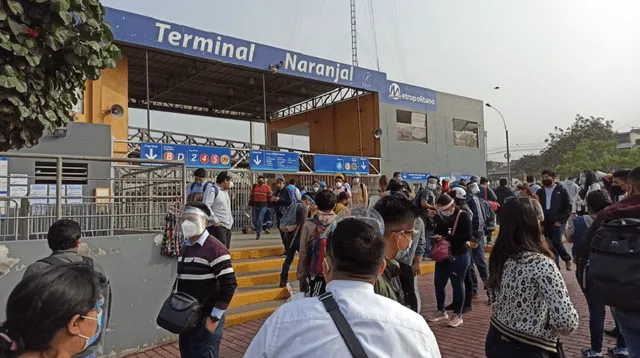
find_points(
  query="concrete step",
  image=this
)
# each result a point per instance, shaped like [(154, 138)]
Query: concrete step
[(252, 295), (256, 252), (251, 312), (263, 264), (264, 277)]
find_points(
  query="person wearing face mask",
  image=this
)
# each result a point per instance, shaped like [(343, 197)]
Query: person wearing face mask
[(619, 185), (557, 207), (428, 202), (259, 198), (342, 187), (355, 257), (315, 187), (205, 273), (454, 225), (409, 261), (220, 207), (588, 183), (64, 239), (359, 193), (399, 223), (56, 313)]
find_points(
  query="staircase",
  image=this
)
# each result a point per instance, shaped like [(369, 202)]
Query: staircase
[(258, 272)]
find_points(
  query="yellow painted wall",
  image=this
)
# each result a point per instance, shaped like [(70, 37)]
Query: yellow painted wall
[(111, 88)]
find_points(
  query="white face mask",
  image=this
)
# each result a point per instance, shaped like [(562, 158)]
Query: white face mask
[(189, 229), (230, 184), (356, 181), (431, 186), (339, 185), (315, 189), (446, 213)]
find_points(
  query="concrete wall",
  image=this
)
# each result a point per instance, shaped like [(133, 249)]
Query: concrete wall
[(140, 277), (81, 139), (438, 155)]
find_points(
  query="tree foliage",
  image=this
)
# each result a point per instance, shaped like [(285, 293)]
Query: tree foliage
[(597, 155), (562, 141), (49, 49)]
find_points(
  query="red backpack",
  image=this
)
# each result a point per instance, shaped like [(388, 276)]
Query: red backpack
[(318, 249)]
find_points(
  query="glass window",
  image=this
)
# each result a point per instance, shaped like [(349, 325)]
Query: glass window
[(465, 133), (411, 126)]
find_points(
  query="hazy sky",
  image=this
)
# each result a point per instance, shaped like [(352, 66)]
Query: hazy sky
[(551, 59)]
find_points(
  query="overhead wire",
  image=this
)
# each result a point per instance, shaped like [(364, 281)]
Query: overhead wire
[(397, 36), (372, 24), (315, 22), (339, 43)]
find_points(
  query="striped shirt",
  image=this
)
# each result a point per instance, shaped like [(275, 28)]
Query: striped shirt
[(207, 274)]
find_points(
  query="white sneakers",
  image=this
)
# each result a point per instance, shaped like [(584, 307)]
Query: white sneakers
[(453, 321), (438, 316)]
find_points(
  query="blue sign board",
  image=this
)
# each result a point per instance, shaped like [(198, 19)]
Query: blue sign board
[(162, 35), (194, 156), (415, 176), (340, 164), (405, 95), (269, 161)]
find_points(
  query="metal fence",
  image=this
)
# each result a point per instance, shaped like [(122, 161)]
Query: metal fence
[(117, 196)]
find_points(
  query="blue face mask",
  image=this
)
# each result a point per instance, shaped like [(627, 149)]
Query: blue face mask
[(94, 338)]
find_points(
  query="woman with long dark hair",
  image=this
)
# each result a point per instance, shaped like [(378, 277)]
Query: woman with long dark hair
[(530, 302), (588, 183), (453, 225), (55, 313)]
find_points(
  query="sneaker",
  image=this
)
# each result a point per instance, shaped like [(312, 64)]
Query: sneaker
[(568, 265), (464, 309), (455, 321), (618, 352), (588, 353), (438, 316)]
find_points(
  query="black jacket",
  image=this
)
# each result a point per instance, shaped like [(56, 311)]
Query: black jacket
[(560, 208), (502, 193), (463, 233)]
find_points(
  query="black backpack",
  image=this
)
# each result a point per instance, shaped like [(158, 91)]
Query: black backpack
[(614, 264)]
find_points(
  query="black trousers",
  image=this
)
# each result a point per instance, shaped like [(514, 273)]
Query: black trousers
[(221, 233), (408, 287)]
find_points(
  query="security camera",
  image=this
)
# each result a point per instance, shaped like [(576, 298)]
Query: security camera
[(273, 69)]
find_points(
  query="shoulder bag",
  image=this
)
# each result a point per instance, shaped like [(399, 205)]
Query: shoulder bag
[(441, 249), (353, 344), (180, 312)]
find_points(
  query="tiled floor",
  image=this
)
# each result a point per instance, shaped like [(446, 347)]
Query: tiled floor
[(464, 341)]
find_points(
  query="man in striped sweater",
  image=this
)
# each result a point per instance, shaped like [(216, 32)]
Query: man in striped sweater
[(204, 272)]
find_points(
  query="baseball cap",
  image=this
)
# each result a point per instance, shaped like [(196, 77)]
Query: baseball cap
[(459, 193)]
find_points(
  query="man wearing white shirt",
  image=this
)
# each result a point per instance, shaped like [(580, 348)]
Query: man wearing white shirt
[(384, 328), (218, 200)]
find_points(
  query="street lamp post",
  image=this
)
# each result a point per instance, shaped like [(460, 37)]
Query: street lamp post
[(506, 133)]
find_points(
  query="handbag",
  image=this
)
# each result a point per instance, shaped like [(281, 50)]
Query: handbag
[(180, 312), (349, 337), (494, 205), (441, 249)]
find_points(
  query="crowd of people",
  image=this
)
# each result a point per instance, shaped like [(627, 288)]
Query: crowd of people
[(358, 268)]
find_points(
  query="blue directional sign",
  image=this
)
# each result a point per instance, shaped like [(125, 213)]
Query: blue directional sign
[(415, 176), (340, 164), (270, 161), (194, 156)]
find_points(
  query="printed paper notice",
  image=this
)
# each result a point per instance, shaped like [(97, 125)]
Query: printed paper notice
[(19, 179), (74, 194), (17, 192), (39, 193), (4, 173)]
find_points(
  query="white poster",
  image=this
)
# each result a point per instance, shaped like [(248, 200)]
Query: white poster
[(17, 192), (53, 193), (74, 194), (38, 193), (19, 179), (4, 173)]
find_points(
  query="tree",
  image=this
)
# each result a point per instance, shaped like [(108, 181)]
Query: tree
[(50, 48), (597, 155), (561, 141)]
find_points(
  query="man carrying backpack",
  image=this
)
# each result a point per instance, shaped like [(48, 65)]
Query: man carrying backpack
[(611, 245), (196, 190), (64, 239), (313, 240)]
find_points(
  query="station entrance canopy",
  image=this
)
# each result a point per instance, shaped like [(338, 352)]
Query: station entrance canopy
[(204, 73)]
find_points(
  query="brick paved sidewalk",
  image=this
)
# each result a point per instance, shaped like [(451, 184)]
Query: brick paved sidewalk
[(464, 341)]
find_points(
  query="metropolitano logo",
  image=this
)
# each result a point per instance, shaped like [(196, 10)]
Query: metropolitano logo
[(394, 91)]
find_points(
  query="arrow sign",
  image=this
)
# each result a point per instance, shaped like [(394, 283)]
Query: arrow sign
[(363, 166), (257, 160), (150, 155), (272, 161)]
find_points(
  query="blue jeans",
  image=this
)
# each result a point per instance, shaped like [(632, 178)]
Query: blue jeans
[(199, 343), (554, 237), (596, 314), (257, 216), (454, 269), (629, 325), (268, 219), (291, 250), (478, 260), (427, 251)]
